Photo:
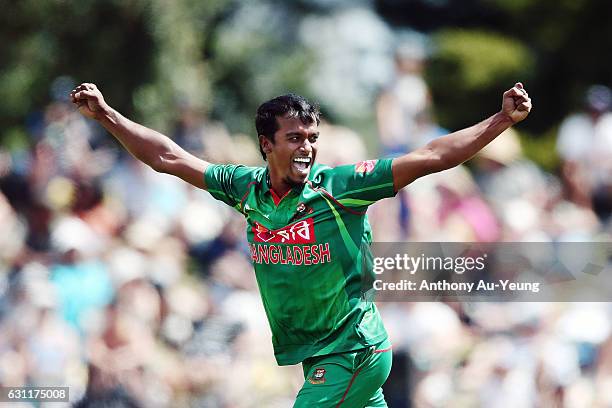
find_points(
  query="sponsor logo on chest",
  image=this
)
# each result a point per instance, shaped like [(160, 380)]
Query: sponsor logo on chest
[(301, 232), (301, 246)]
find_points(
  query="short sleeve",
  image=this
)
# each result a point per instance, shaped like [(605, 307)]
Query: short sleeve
[(229, 182), (363, 183)]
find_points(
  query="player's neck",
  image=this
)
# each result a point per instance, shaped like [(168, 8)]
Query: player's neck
[(279, 184)]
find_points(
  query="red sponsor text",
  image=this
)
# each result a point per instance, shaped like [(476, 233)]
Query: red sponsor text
[(301, 232)]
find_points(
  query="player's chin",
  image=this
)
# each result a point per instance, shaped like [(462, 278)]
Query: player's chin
[(299, 176), (299, 179)]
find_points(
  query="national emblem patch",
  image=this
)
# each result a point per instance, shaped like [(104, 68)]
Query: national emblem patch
[(318, 376)]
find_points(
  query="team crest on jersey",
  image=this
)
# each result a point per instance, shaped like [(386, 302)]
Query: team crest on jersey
[(301, 232), (365, 166), (318, 376)]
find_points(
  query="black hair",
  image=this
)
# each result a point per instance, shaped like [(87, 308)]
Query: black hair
[(289, 105)]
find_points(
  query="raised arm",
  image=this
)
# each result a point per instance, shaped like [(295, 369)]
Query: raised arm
[(453, 149), (151, 147)]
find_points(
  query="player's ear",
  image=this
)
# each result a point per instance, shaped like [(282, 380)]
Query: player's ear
[(265, 143)]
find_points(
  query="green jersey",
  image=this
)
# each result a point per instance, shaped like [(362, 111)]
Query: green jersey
[(306, 251)]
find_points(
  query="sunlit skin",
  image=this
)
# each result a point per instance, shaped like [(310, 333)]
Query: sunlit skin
[(293, 139)]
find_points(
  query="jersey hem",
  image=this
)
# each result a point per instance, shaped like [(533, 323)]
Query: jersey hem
[(287, 354)]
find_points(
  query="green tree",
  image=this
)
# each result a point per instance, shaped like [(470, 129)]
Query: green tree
[(469, 70)]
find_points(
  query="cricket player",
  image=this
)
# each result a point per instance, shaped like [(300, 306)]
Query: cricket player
[(306, 225)]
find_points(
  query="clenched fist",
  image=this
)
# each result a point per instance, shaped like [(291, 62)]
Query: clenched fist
[(89, 100), (516, 103)]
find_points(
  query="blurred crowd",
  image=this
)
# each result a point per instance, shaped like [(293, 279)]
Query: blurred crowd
[(135, 289)]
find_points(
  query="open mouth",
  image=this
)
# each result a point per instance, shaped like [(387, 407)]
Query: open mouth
[(302, 164)]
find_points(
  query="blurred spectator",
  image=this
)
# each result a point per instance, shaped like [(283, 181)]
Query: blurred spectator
[(339, 145), (404, 118), (528, 201), (584, 144), (403, 110)]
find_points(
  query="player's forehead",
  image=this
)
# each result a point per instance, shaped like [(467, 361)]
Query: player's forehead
[(294, 124)]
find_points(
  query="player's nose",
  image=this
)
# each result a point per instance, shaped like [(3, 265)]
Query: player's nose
[(306, 146)]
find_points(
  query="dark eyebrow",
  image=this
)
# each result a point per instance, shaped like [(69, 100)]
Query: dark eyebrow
[(291, 134)]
